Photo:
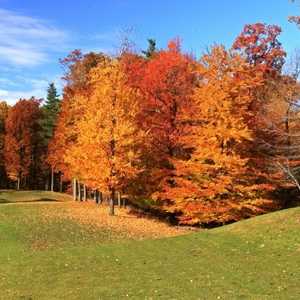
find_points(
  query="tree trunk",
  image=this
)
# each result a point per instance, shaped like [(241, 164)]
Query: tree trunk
[(79, 191), (100, 197), (84, 193), (47, 184), (74, 189), (119, 199), (289, 173), (18, 183), (52, 179), (112, 203), (60, 183)]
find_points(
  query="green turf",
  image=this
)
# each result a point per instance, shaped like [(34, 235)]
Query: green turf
[(253, 259)]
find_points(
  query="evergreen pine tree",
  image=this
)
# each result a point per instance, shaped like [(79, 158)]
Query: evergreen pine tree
[(151, 48), (51, 109)]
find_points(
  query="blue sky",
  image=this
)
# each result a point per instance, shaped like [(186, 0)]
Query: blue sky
[(34, 34)]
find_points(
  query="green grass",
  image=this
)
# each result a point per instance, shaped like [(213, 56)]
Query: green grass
[(59, 259)]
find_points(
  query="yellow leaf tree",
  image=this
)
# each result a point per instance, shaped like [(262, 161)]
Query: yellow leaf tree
[(216, 136), (106, 153), (77, 87)]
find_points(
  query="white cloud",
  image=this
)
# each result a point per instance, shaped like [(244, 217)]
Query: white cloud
[(11, 97), (36, 88), (27, 41)]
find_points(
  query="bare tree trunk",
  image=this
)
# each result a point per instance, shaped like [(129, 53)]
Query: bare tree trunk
[(112, 154), (79, 191), (18, 183), (84, 193), (112, 203), (74, 189), (60, 183), (52, 179), (286, 169), (119, 199)]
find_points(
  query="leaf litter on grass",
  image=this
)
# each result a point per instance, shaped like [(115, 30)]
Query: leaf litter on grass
[(96, 218)]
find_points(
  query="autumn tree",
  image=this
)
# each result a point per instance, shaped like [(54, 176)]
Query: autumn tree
[(282, 122), (77, 67), (205, 183), (259, 44), (166, 83), (106, 153), (22, 142), (3, 115), (63, 133)]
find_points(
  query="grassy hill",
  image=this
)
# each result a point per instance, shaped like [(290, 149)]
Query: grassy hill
[(61, 258)]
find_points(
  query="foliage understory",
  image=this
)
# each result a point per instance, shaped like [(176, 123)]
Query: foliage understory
[(213, 213), (54, 258)]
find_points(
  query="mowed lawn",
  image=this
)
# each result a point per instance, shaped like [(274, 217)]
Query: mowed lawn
[(64, 250)]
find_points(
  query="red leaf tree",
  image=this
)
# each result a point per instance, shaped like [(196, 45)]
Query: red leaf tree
[(3, 115), (166, 82), (21, 151)]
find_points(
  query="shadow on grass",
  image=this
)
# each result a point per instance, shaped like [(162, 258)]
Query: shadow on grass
[(46, 200), (4, 201)]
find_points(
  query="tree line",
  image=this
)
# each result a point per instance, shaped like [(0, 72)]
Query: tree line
[(206, 140), (25, 131)]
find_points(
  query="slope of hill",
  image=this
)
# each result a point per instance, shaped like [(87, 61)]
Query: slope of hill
[(63, 258)]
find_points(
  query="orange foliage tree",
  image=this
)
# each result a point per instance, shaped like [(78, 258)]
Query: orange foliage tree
[(206, 182), (260, 45), (21, 150), (77, 68), (106, 153)]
